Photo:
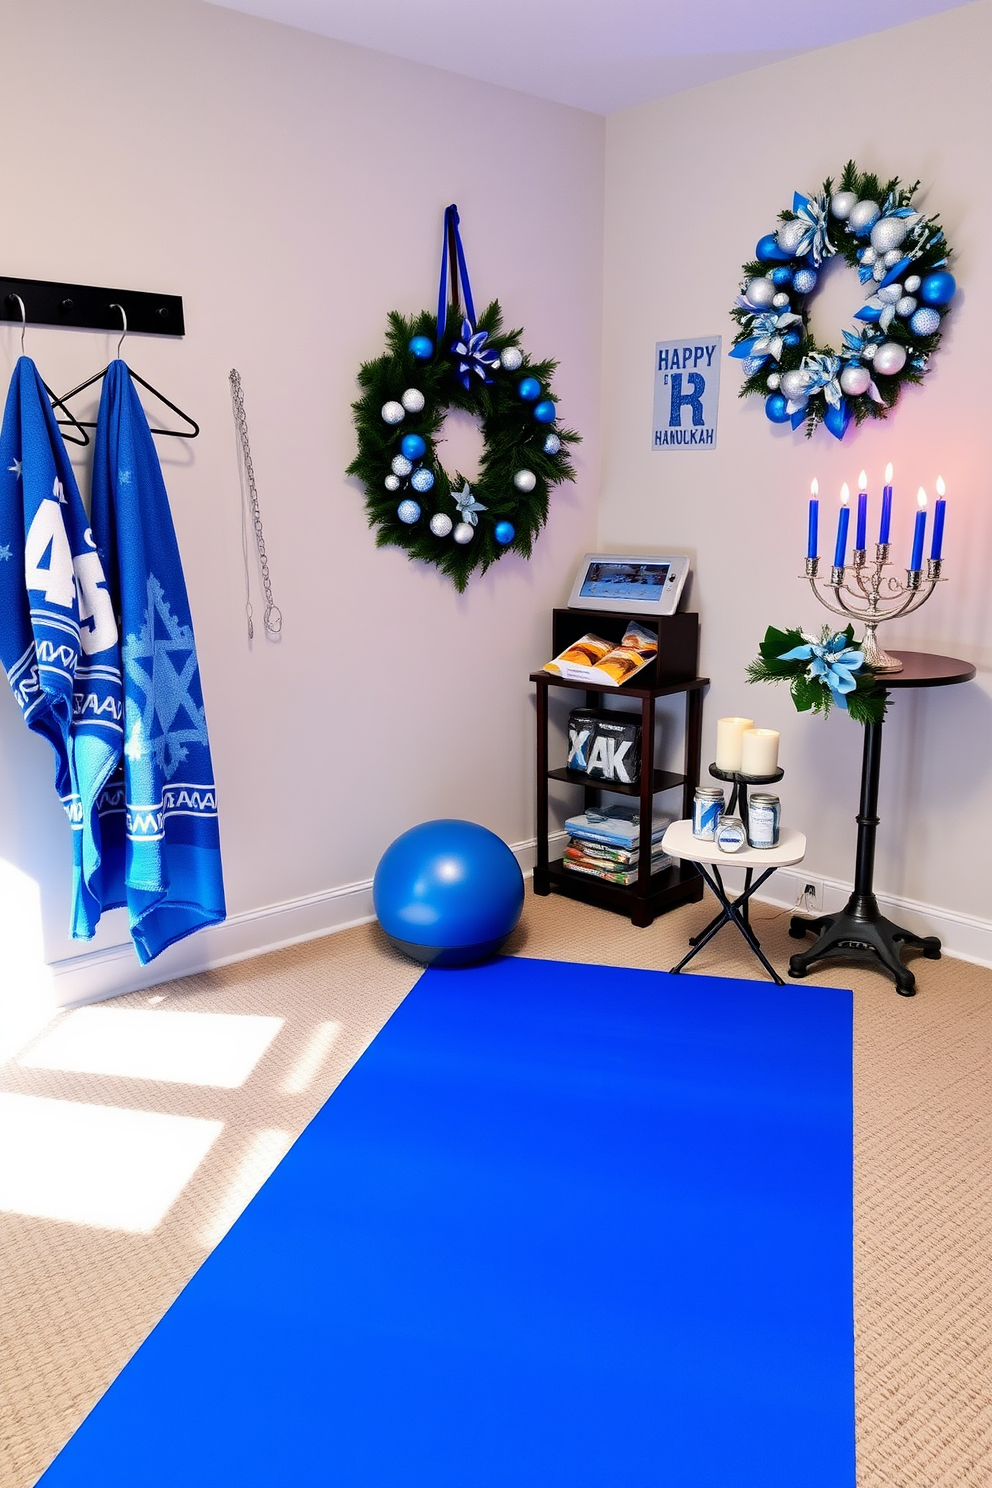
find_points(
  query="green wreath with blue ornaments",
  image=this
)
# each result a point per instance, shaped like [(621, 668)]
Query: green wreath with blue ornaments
[(900, 255), (455, 360)]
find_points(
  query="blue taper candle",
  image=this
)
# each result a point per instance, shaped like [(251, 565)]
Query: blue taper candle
[(916, 562), (814, 516), (937, 541), (886, 522), (840, 551), (861, 529)]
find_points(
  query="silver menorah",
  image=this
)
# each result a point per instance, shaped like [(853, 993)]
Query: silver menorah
[(861, 590)]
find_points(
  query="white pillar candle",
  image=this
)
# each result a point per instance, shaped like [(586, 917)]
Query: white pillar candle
[(729, 732), (759, 752)]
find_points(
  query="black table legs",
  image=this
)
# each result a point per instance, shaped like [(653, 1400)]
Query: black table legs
[(861, 931), (733, 910)]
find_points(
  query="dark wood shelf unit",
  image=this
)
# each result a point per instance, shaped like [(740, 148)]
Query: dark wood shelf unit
[(673, 673)]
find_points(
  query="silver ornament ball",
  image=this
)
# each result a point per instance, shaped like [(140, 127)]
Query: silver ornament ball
[(441, 524), (793, 385), (889, 233), (912, 284), (854, 381), (879, 272), (413, 400), (525, 480), (408, 511), (842, 203), (862, 215), (924, 321), (892, 257), (868, 256), (760, 293), (422, 480), (781, 300), (512, 359), (790, 235), (464, 532), (393, 412), (772, 382), (804, 281), (392, 482), (889, 294), (906, 305), (890, 358), (552, 444), (401, 465)]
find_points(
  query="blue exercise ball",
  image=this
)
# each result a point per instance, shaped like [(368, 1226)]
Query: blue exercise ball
[(448, 893)]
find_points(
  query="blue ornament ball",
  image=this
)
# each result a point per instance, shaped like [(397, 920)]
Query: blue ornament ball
[(408, 511), (529, 389), (804, 281), (768, 250), (924, 322), (504, 532), (412, 446), (545, 411), (775, 409), (448, 893), (422, 347), (421, 480), (782, 277), (938, 288), (791, 338)]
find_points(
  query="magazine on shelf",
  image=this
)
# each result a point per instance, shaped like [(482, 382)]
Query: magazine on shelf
[(601, 663), (614, 826)]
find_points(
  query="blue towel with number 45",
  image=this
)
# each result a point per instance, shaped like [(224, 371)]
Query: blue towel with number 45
[(158, 817)]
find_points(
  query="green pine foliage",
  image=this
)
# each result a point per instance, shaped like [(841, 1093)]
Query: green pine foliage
[(867, 187), (513, 440), (866, 704)]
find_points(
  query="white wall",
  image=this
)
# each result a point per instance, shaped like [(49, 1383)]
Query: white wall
[(692, 182), (291, 189)]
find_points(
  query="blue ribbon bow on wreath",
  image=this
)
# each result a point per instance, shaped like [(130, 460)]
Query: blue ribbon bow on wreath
[(471, 351)]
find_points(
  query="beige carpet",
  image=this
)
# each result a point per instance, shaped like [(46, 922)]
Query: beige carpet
[(79, 1298)]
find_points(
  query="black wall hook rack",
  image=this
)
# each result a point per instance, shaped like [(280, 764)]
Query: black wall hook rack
[(87, 307)]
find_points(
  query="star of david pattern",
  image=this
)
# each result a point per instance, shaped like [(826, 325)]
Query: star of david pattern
[(160, 664)]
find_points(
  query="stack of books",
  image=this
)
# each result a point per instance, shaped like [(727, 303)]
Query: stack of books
[(604, 844)]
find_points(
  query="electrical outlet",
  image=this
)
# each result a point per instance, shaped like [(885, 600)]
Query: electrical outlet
[(810, 897)]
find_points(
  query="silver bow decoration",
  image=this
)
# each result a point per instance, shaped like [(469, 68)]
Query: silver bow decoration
[(822, 373), (885, 301), (468, 507), (766, 329), (474, 355)]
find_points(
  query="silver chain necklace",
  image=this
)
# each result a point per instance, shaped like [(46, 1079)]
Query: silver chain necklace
[(272, 616)]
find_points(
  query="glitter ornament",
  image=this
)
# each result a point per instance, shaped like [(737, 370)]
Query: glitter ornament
[(863, 216), (773, 382), (421, 480), (511, 360), (504, 533), (793, 385), (781, 300), (868, 256), (890, 358), (912, 284), (804, 281), (789, 236), (422, 347), (842, 203), (392, 483), (552, 444), (893, 257), (889, 233), (924, 321), (906, 305), (760, 293), (464, 533), (781, 277), (441, 524), (525, 480), (854, 381), (393, 412), (400, 465), (413, 400), (408, 511), (791, 338)]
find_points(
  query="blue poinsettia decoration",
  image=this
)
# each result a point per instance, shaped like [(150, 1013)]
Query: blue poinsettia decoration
[(821, 670), (473, 355)]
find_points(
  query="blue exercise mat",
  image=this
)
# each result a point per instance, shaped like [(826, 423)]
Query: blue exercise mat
[(561, 1226)]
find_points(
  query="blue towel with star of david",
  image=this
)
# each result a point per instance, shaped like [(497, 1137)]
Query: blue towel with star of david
[(159, 817), (58, 633)]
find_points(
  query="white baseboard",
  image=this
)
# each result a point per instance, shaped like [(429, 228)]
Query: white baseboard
[(94, 976)]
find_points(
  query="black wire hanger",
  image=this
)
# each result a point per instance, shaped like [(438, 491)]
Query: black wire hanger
[(191, 433), (71, 422)]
